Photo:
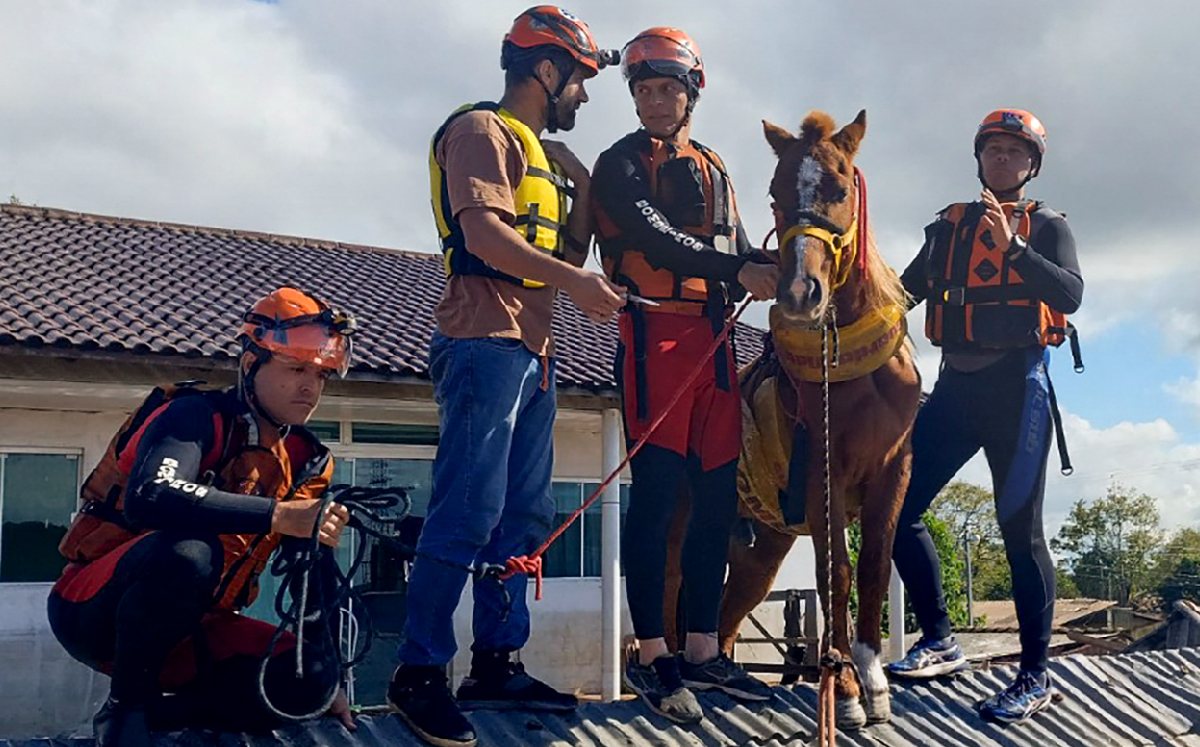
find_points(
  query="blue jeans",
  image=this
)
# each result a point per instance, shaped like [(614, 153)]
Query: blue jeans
[(491, 493)]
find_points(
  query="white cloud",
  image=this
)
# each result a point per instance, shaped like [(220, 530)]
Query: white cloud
[(1148, 457)]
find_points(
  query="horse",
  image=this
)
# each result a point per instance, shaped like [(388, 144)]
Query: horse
[(838, 315)]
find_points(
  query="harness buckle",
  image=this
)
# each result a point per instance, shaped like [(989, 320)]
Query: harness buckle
[(955, 296)]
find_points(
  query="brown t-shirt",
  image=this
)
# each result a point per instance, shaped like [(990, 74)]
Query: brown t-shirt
[(484, 162)]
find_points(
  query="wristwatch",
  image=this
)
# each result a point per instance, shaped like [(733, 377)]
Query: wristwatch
[(1016, 247)]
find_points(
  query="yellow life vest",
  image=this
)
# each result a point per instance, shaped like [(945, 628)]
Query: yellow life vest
[(540, 201)]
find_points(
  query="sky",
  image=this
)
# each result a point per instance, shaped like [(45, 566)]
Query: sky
[(313, 118)]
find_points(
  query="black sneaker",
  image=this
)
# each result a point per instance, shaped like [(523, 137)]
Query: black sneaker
[(661, 689), (421, 697), (497, 684), (116, 725), (723, 674)]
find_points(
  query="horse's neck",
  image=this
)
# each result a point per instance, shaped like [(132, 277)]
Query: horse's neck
[(851, 300)]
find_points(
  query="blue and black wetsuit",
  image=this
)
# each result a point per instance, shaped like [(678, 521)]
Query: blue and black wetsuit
[(998, 401)]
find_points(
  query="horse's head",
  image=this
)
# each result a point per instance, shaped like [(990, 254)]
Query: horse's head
[(813, 190)]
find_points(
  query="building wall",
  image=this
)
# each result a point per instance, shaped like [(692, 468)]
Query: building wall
[(47, 693)]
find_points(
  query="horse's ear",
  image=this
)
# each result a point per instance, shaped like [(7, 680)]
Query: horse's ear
[(778, 137), (849, 137)]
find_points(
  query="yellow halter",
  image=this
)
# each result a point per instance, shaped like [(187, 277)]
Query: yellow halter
[(843, 246)]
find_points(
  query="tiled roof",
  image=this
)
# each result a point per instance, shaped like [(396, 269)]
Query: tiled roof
[(87, 283), (1135, 699)]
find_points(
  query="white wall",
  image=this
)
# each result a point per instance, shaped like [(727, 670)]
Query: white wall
[(48, 694)]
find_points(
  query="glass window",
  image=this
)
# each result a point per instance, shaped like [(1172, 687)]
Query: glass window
[(329, 431), (38, 493), (391, 433), (564, 557), (591, 530)]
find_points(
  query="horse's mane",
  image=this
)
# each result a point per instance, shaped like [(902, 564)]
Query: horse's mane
[(883, 286)]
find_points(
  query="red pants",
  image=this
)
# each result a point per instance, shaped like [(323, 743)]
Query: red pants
[(707, 420)]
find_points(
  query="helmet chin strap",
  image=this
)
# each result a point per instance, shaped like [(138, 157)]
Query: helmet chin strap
[(553, 97), (246, 387)]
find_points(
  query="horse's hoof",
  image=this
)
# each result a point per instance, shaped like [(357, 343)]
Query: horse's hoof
[(850, 714), (879, 708)]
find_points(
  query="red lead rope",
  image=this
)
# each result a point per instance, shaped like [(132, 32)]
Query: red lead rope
[(863, 224), (532, 564)]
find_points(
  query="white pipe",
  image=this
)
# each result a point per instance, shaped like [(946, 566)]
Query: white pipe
[(610, 559), (895, 616)]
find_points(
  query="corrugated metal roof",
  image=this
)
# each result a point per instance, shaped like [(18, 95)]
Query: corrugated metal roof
[(1133, 699)]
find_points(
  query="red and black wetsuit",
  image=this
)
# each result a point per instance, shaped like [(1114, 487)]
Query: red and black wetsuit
[(146, 612), (669, 231)]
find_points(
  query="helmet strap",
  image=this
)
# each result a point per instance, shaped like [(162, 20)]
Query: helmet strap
[(246, 382)]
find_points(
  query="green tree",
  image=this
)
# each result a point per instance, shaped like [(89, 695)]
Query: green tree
[(1176, 571), (1110, 544), (1183, 583)]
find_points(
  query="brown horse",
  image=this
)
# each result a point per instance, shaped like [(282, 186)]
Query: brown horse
[(831, 277)]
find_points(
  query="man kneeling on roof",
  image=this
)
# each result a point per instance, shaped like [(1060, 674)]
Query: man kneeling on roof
[(179, 518)]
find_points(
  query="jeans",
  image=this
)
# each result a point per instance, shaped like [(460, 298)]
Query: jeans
[(491, 493)]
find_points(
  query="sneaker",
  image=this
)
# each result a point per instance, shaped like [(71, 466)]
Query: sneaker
[(116, 725), (497, 684), (661, 689), (421, 697), (723, 674), (1027, 695), (929, 658)]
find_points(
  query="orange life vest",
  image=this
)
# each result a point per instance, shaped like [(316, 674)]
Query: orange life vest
[(691, 187), (977, 299), (295, 467)]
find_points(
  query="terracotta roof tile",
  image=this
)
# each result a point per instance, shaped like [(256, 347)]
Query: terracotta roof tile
[(88, 282)]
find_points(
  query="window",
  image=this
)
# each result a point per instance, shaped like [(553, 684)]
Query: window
[(38, 493), (389, 433), (329, 431), (577, 552)]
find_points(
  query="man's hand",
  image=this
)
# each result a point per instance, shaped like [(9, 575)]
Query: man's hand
[(567, 161), (341, 710), (297, 519), (760, 280), (994, 220), (595, 295)]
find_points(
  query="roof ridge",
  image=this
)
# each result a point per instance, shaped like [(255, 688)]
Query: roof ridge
[(289, 239)]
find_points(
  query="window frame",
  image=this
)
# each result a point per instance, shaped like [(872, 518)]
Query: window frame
[(621, 481), (67, 451)]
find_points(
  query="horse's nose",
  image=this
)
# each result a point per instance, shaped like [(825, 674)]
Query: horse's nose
[(807, 291)]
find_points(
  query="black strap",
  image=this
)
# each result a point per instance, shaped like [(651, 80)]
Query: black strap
[(715, 311), (794, 496), (1076, 351), (1064, 459), (956, 295), (557, 180), (637, 319)]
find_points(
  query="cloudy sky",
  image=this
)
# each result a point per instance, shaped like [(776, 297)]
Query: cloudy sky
[(312, 118)]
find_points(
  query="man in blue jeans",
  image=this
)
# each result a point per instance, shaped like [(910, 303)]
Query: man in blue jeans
[(500, 202)]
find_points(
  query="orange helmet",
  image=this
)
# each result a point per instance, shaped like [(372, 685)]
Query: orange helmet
[(661, 52), (1016, 122), (294, 325), (549, 25)]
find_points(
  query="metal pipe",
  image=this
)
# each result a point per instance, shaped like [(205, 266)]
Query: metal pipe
[(610, 559)]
